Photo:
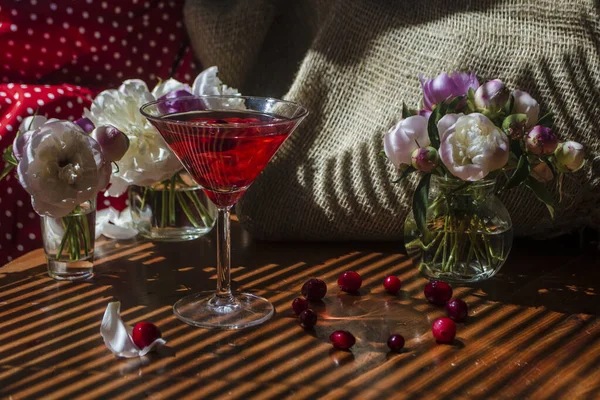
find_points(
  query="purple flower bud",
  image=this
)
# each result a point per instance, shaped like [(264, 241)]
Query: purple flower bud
[(175, 94), (491, 96), (570, 156), (541, 141), (425, 159), (446, 86), (113, 142), (178, 106), (86, 124)]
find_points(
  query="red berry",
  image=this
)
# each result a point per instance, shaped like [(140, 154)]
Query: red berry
[(457, 310), (444, 330), (396, 342), (144, 333), (350, 281), (392, 284), (438, 292), (299, 305), (314, 289), (308, 319), (342, 340)]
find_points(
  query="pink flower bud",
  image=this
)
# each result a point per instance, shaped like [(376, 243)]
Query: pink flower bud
[(491, 96), (541, 141), (525, 104), (569, 156), (113, 142), (425, 159)]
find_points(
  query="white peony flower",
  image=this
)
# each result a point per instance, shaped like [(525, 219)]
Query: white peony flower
[(148, 159), (473, 147), (408, 135), (26, 129), (62, 167), (208, 83), (168, 86)]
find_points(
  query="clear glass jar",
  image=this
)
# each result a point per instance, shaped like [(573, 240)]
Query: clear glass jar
[(173, 210), (468, 232), (69, 243)]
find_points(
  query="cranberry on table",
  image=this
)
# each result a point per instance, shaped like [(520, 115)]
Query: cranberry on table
[(342, 340), (457, 309), (299, 305), (308, 319), (438, 292), (314, 289), (396, 342), (392, 284), (444, 330), (144, 333), (350, 281)]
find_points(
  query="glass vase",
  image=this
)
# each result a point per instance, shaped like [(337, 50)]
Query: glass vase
[(467, 235), (172, 210), (69, 243)]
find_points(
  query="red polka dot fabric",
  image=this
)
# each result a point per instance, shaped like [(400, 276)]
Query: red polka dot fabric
[(56, 56)]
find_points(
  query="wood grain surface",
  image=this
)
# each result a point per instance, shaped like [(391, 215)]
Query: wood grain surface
[(533, 330)]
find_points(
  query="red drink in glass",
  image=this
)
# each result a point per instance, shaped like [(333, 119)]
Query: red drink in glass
[(224, 151)]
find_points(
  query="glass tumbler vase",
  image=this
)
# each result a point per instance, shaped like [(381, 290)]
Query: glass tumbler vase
[(69, 243), (172, 210)]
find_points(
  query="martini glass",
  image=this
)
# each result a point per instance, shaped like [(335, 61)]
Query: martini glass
[(224, 142)]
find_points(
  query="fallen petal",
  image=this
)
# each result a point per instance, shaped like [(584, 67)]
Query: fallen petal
[(117, 335)]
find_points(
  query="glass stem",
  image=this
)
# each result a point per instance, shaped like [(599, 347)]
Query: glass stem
[(223, 254)]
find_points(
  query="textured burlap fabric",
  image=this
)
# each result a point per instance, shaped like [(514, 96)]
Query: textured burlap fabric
[(352, 63)]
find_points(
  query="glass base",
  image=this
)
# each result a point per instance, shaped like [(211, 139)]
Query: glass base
[(72, 270), (172, 234), (237, 311)]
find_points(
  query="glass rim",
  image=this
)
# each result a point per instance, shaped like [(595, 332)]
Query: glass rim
[(232, 125)]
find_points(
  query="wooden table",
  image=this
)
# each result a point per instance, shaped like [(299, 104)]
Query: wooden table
[(533, 331)]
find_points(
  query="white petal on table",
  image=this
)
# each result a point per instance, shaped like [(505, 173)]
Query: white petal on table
[(117, 335), (115, 225)]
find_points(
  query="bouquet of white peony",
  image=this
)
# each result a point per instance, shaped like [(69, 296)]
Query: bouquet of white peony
[(149, 164), (464, 136)]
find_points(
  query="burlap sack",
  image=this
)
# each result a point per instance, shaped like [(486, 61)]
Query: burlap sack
[(353, 62)]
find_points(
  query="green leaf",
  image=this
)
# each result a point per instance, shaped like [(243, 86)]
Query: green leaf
[(470, 101), (6, 171), (542, 193), (454, 104), (406, 112), (546, 121), (405, 173), (432, 130), (9, 157), (548, 162), (509, 105), (515, 147), (420, 203), (382, 154), (521, 173)]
